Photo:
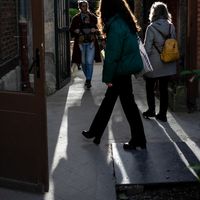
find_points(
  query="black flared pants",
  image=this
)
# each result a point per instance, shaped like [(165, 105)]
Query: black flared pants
[(122, 87), (163, 90)]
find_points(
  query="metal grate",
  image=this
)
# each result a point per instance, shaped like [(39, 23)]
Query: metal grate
[(62, 42)]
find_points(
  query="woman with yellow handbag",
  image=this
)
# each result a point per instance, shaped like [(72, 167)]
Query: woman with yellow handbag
[(159, 29)]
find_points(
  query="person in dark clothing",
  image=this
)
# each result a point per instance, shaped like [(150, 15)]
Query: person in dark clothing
[(86, 48), (119, 26)]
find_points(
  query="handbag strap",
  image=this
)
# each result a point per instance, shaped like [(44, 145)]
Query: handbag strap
[(164, 36)]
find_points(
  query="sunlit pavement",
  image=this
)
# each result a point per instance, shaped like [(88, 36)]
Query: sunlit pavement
[(80, 170)]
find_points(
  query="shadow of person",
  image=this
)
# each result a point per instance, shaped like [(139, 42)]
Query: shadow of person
[(84, 170), (184, 144), (56, 105)]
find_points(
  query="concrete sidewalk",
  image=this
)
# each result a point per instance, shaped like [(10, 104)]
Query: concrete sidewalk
[(80, 170)]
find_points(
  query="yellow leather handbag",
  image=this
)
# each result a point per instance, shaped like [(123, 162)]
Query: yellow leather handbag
[(170, 51)]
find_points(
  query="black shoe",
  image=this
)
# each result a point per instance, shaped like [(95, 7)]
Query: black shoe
[(87, 82), (148, 114), (79, 67), (87, 134), (129, 146), (88, 85), (161, 117), (96, 141)]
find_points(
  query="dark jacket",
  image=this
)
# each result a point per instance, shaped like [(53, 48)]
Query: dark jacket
[(122, 51), (76, 24)]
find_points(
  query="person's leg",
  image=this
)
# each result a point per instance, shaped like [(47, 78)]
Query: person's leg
[(103, 115), (163, 88), (90, 52), (150, 85), (83, 58), (132, 113)]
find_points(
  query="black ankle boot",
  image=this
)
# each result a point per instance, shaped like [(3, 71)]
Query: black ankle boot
[(86, 82), (96, 141), (148, 113), (130, 146), (89, 84), (87, 134), (161, 117)]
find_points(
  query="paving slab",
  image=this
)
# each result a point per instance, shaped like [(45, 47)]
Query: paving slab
[(160, 163)]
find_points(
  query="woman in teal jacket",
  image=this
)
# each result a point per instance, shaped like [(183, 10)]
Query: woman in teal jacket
[(120, 27)]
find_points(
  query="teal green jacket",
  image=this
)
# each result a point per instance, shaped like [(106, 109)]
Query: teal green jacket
[(122, 51)]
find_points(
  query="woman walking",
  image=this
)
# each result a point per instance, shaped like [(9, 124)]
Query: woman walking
[(120, 27), (86, 48)]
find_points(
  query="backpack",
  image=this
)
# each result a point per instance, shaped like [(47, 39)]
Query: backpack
[(170, 50)]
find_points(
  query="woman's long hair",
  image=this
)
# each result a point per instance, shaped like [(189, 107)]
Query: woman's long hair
[(159, 10), (110, 8)]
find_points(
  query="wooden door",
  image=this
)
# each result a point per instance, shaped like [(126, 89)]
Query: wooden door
[(23, 121)]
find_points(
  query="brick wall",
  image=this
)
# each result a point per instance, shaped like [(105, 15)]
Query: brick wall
[(198, 34), (8, 29)]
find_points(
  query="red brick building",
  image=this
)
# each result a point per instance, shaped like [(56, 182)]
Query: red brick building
[(8, 27)]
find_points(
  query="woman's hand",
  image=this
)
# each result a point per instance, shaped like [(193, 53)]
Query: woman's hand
[(109, 84)]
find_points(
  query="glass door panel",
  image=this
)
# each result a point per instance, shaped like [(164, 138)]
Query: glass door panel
[(17, 69)]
